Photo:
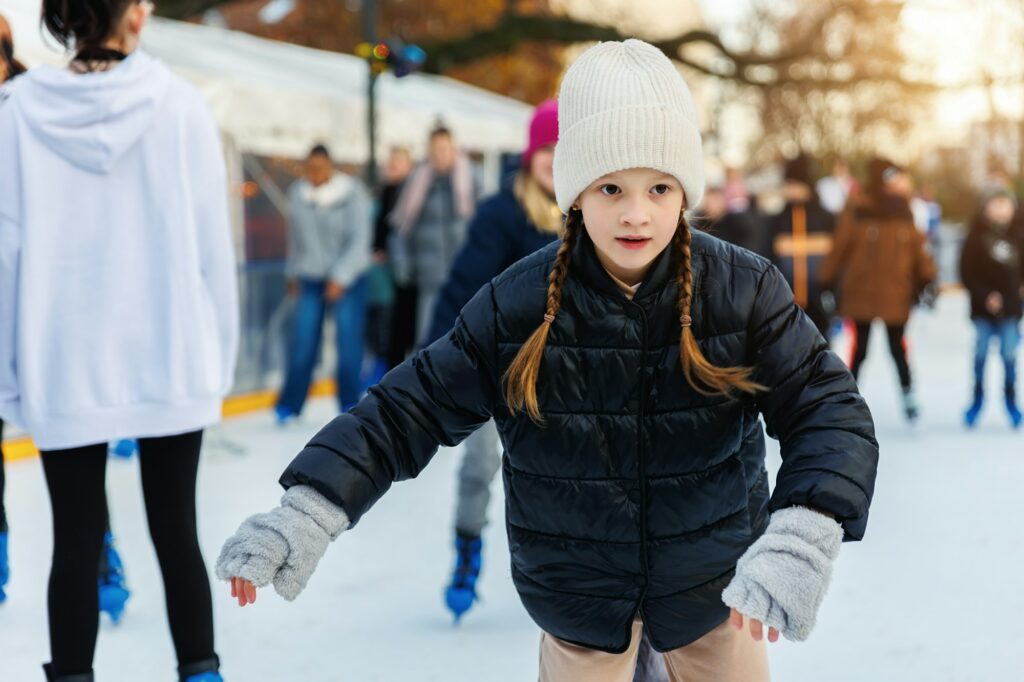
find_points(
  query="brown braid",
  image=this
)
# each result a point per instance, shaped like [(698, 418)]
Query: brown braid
[(521, 377), (704, 377)]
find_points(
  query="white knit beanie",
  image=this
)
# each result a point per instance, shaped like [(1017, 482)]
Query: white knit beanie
[(624, 105)]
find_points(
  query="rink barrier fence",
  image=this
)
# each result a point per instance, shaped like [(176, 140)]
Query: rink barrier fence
[(234, 406)]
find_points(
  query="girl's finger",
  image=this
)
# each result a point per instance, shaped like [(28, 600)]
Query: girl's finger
[(773, 635), (234, 592), (756, 629), (736, 618), (250, 591)]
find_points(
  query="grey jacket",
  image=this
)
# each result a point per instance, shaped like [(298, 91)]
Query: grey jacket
[(331, 230), (424, 256)]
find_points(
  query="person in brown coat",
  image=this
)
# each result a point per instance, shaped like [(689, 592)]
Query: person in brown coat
[(880, 266)]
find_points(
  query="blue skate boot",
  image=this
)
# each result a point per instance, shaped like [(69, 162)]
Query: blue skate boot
[(124, 448), (113, 593), (1011, 407), (974, 411), (461, 592), (283, 416)]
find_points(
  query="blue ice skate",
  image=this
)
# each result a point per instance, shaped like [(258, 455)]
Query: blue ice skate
[(124, 448), (461, 592), (113, 593), (1011, 408), (5, 569), (974, 411), (205, 677), (283, 416)]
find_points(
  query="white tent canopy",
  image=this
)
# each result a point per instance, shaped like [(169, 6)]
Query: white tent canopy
[(274, 98)]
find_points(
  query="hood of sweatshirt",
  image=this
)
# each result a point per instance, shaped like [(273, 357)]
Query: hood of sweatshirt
[(92, 119)]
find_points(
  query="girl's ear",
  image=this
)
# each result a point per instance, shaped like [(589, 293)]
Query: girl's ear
[(138, 13)]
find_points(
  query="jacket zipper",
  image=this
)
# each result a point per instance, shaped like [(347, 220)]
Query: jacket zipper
[(640, 454)]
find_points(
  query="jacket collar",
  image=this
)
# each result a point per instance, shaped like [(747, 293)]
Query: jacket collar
[(587, 267)]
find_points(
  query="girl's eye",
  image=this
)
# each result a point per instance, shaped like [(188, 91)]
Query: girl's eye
[(661, 189), (609, 190)]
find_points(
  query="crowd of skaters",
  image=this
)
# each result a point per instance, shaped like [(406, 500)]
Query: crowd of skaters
[(850, 249)]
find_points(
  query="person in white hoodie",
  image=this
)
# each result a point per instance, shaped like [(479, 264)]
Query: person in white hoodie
[(118, 307)]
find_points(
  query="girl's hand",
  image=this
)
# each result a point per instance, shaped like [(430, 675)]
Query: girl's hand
[(281, 547), (781, 579), (243, 590), (756, 626)]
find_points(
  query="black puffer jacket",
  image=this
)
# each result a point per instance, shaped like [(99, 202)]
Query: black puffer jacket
[(638, 492)]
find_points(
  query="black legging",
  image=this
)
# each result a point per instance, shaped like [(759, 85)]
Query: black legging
[(3, 512), (862, 332), (75, 479)]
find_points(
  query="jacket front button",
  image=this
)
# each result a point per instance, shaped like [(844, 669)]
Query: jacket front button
[(633, 495)]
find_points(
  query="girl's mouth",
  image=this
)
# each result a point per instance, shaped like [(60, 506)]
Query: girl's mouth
[(633, 243)]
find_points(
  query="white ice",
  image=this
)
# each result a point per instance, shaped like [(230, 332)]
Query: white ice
[(934, 592)]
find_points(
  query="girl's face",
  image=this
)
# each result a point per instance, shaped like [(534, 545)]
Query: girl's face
[(541, 168), (631, 216)]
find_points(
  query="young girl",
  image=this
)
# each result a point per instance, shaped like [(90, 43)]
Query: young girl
[(118, 308), (625, 368)]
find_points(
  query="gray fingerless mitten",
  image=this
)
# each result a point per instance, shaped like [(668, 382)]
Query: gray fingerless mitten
[(284, 545), (782, 578)]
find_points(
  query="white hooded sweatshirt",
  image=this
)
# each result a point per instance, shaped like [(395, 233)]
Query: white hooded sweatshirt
[(118, 291)]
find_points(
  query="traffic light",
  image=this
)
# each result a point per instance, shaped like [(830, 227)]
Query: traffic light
[(402, 59)]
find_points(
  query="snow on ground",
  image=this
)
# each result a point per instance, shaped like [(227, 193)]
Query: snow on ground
[(933, 593)]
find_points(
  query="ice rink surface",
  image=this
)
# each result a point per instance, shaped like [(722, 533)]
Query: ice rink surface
[(934, 593)]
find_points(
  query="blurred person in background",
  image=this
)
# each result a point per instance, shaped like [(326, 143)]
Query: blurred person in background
[(992, 270), (430, 222), (801, 237), (505, 228), (329, 238), (737, 198), (118, 281), (880, 266), (401, 327), (740, 228), (834, 190)]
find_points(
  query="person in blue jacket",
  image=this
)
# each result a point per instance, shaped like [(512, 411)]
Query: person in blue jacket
[(507, 227)]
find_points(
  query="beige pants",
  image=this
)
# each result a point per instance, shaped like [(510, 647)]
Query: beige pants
[(723, 655)]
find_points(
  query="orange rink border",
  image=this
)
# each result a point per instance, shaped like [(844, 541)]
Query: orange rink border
[(234, 406)]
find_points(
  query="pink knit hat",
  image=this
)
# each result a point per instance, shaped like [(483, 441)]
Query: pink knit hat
[(543, 129)]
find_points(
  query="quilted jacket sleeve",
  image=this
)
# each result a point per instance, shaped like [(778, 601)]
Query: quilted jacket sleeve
[(436, 397), (812, 406)]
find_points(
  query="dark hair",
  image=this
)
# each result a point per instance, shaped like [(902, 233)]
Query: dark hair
[(440, 131), (14, 67), (881, 203), (320, 150), (83, 23), (700, 374)]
